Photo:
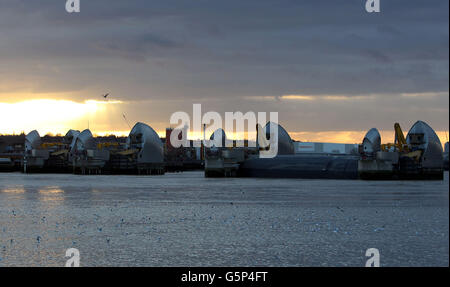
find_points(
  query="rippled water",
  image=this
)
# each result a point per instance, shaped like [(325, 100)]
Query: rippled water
[(184, 219)]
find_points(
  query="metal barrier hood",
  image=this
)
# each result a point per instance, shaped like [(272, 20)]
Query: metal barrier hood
[(144, 139), (84, 141), (71, 137), (217, 133), (32, 140), (422, 137), (285, 144), (372, 141)]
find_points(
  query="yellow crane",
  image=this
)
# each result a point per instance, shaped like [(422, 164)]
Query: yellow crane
[(108, 145), (400, 138), (50, 145), (400, 145)]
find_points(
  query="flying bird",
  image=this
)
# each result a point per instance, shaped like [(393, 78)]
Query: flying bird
[(105, 95)]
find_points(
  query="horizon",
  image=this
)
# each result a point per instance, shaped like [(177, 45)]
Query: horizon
[(341, 137)]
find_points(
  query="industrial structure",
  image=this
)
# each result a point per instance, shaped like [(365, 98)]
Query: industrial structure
[(143, 153), (446, 165), (86, 157), (247, 162), (324, 148), (419, 155), (34, 155), (289, 164), (182, 158), (11, 152), (221, 160)]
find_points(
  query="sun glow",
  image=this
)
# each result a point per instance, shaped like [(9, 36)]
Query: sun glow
[(105, 118), (387, 136), (49, 116), (298, 97)]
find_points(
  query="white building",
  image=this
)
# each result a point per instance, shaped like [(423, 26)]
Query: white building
[(324, 148)]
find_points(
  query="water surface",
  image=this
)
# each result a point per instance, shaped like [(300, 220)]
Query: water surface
[(184, 219)]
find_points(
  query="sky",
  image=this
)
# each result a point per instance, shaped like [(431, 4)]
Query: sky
[(330, 69)]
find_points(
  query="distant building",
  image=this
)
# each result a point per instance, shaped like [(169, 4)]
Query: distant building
[(324, 148)]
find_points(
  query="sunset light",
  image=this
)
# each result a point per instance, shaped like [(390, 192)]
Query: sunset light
[(51, 116)]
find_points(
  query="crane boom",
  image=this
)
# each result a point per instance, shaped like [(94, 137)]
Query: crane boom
[(399, 137), (400, 141)]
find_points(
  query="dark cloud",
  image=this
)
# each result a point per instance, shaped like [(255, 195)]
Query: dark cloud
[(191, 49)]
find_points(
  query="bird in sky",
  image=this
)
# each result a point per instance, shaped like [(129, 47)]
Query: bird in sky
[(105, 95)]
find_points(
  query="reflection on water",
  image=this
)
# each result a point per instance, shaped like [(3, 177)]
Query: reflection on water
[(13, 190), (185, 219), (51, 190), (51, 194)]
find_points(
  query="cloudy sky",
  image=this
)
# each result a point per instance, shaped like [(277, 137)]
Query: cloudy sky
[(329, 68)]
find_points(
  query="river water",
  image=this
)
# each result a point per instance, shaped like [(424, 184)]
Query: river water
[(184, 219)]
